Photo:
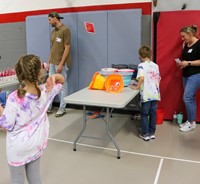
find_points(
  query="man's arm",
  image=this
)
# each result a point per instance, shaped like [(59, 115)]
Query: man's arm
[(64, 56), (48, 62)]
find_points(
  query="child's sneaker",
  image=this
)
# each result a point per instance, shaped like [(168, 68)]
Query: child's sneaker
[(145, 137), (152, 136), (188, 126)]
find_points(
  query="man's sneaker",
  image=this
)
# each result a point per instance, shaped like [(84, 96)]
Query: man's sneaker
[(188, 126), (145, 137), (152, 136), (49, 111), (60, 112)]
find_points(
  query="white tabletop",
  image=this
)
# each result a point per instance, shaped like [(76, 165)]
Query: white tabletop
[(5, 83), (101, 98), (9, 84)]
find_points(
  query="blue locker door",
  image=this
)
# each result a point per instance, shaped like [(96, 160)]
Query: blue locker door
[(70, 20), (38, 36), (124, 36), (92, 47), (38, 42)]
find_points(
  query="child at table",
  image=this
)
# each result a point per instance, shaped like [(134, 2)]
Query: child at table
[(148, 77), (25, 119)]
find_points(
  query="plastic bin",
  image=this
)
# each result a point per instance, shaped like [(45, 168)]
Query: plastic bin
[(120, 66), (159, 116), (135, 68), (126, 74)]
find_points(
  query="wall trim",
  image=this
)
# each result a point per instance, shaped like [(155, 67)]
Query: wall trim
[(21, 16)]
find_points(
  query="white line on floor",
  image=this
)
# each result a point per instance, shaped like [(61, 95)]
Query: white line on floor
[(129, 152), (158, 171)]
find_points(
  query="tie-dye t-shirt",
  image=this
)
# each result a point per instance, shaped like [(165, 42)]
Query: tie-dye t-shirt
[(149, 90), (27, 125)]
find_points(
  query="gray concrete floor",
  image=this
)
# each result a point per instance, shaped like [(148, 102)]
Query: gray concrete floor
[(172, 158)]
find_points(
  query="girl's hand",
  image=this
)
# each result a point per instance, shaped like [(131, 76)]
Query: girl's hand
[(50, 83)]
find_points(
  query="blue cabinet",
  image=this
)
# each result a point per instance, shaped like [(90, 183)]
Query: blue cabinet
[(38, 36), (70, 20), (124, 36), (92, 47)]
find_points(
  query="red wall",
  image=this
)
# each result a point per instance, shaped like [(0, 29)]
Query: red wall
[(169, 47)]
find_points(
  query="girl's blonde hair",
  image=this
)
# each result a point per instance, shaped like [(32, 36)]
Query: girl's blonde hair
[(27, 69)]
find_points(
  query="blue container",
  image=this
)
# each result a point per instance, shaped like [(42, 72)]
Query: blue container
[(126, 77), (179, 118)]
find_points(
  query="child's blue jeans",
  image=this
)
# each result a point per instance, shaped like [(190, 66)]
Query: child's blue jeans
[(148, 117)]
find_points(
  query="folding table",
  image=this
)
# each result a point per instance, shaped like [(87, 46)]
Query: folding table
[(101, 98)]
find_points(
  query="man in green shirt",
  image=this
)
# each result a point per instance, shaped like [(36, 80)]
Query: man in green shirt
[(60, 57)]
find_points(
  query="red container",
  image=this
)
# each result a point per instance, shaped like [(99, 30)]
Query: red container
[(159, 116)]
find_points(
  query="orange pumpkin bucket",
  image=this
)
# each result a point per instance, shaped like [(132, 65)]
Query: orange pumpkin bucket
[(114, 83)]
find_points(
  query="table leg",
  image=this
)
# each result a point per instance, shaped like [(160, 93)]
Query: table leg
[(83, 128), (109, 133)]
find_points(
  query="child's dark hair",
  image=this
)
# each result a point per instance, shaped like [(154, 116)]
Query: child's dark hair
[(145, 52), (27, 69)]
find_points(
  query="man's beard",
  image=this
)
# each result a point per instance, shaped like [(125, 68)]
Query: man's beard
[(53, 25)]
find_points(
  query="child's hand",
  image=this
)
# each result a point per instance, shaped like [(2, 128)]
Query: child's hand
[(50, 83), (134, 87)]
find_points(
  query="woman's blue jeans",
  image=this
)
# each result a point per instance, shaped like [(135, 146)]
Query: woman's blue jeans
[(191, 85), (148, 117)]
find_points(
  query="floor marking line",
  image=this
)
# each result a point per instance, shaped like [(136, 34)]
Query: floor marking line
[(158, 171), (129, 152)]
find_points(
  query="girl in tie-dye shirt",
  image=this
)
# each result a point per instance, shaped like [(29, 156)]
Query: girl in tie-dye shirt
[(148, 77), (26, 121)]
